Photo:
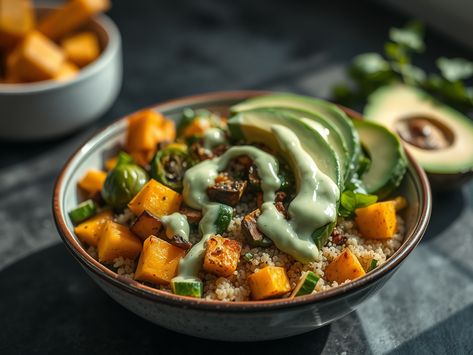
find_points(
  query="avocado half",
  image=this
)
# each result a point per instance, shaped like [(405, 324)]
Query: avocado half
[(439, 137)]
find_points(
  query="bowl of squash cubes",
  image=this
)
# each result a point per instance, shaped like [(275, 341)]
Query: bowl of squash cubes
[(60, 68), (102, 239)]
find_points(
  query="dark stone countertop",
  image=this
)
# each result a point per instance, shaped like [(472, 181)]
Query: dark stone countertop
[(171, 49)]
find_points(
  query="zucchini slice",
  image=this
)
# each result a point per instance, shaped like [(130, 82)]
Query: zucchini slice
[(83, 211), (306, 284)]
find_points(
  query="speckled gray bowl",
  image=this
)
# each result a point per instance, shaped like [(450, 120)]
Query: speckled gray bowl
[(237, 321)]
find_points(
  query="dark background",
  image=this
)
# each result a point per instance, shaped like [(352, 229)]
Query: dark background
[(171, 49)]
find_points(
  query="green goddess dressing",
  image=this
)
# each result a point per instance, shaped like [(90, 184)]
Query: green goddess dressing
[(313, 207)]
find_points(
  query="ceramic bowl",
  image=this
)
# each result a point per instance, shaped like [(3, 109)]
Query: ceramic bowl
[(47, 109), (236, 321)]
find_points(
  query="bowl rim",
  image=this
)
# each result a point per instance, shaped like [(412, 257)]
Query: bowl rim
[(107, 55), (138, 289)]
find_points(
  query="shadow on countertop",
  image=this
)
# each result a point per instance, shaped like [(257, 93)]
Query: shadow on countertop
[(50, 306)]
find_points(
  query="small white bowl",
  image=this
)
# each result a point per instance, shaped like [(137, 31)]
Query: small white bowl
[(48, 109)]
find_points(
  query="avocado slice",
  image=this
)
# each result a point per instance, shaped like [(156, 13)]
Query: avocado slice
[(328, 131), (388, 160), (393, 104), (323, 109), (255, 126)]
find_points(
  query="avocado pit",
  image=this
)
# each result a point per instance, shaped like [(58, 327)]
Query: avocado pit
[(425, 132)]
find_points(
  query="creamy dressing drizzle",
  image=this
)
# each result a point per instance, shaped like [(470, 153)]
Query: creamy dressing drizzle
[(176, 224), (213, 137), (313, 207)]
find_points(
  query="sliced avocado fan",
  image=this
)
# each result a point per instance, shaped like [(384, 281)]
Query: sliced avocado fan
[(395, 104), (325, 110), (388, 160)]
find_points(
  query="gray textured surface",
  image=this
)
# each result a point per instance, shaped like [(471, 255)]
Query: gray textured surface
[(180, 48)]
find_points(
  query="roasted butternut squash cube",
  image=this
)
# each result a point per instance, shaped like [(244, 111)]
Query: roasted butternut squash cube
[(82, 48), (344, 267), (92, 181), (157, 199), (90, 231), (16, 20), (146, 129), (146, 224), (67, 18), (221, 256), (37, 58), (377, 221), (158, 262), (269, 282), (117, 240), (197, 127), (68, 71)]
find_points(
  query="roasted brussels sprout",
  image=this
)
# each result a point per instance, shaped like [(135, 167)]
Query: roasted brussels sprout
[(169, 165), (122, 184)]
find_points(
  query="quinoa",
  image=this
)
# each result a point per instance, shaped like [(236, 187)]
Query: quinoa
[(236, 288)]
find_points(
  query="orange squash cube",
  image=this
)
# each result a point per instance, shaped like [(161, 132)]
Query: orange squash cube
[(70, 16), (82, 48), (269, 282), (117, 240), (146, 129), (92, 181), (68, 71), (157, 199), (158, 262), (377, 221), (344, 267), (37, 58), (90, 231), (16, 20), (221, 256)]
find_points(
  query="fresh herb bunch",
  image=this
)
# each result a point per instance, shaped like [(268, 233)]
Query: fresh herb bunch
[(369, 71)]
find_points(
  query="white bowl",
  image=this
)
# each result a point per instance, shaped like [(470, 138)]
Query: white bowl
[(48, 109)]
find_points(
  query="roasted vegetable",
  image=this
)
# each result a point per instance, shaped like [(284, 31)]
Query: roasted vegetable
[(269, 282), (169, 165), (176, 240), (83, 211), (251, 232), (226, 190), (122, 184), (187, 287), (193, 216), (121, 158), (146, 129), (221, 256), (92, 181), (344, 267), (90, 231), (306, 284), (117, 240), (194, 123), (158, 262), (146, 224), (285, 176), (377, 221), (156, 199)]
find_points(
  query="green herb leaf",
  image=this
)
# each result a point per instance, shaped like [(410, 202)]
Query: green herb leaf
[(411, 74), (455, 69), (396, 52), (409, 37), (350, 201)]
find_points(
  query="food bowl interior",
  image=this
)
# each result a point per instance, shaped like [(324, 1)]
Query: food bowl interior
[(414, 187)]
